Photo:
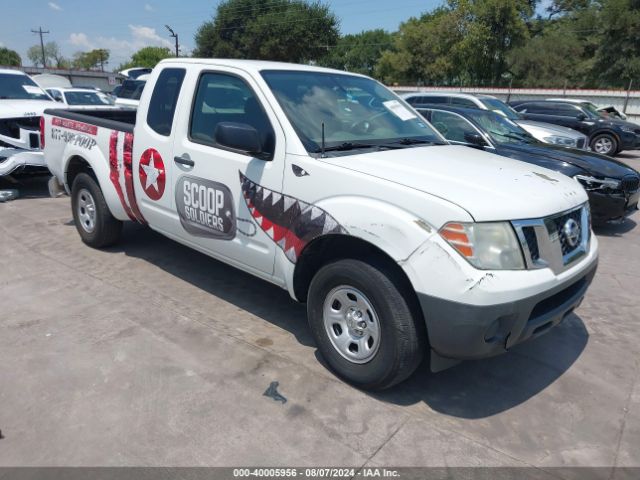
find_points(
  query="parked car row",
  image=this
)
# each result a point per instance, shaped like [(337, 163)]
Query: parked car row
[(23, 101)]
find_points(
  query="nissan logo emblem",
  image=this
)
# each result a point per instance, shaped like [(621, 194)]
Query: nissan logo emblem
[(571, 232)]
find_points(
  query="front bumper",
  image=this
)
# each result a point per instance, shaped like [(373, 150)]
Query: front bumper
[(502, 309), (629, 141), (14, 160), (611, 207)]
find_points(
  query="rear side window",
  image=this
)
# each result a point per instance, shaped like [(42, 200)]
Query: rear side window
[(226, 98), (435, 99), (164, 99), (463, 102)]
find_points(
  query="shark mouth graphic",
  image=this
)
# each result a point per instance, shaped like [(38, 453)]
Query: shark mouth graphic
[(291, 223)]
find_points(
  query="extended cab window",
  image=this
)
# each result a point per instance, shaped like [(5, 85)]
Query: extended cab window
[(164, 99), (226, 98), (452, 126)]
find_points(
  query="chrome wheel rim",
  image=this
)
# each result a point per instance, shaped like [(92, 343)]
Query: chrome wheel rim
[(603, 145), (86, 210), (351, 323)]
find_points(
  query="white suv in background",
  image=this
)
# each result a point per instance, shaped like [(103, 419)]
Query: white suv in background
[(545, 132)]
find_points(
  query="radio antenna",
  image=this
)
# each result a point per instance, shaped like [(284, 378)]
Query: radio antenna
[(322, 147)]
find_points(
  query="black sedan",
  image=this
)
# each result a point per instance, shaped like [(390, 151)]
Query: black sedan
[(613, 187), (607, 135)]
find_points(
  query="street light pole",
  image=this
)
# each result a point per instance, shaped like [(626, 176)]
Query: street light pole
[(175, 36)]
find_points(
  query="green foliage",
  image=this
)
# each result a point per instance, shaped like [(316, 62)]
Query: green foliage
[(358, 53), (9, 57), (617, 58), (92, 59), (286, 30), (147, 57), (52, 55)]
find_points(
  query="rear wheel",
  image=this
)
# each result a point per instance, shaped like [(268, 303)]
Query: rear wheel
[(363, 324), (604, 144), (94, 222)]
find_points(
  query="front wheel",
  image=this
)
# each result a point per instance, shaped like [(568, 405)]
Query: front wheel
[(94, 222), (363, 324), (604, 144)]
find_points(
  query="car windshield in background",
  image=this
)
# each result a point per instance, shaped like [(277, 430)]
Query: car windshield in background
[(499, 106), (131, 89), (87, 98), (499, 128), (20, 87), (357, 112), (592, 110)]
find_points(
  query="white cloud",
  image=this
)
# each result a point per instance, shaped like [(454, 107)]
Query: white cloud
[(80, 40), (54, 6), (148, 7), (121, 48)]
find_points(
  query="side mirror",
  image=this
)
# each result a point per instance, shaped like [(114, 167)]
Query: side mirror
[(475, 139), (238, 136), (581, 117)]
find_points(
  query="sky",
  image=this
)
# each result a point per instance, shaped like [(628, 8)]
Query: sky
[(125, 26)]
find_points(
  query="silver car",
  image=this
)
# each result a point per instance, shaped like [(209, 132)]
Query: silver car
[(545, 132)]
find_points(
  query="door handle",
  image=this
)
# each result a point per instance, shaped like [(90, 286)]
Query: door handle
[(184, 161)]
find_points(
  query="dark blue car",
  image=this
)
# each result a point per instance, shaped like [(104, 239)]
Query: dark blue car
[(612, 186)]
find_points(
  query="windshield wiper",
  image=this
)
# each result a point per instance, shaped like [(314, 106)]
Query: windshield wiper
[(412, 141), (514, 136), (343, 147)]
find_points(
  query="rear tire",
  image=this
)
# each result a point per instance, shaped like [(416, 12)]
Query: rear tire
[(604, 144), (364, 325), (94, 222)]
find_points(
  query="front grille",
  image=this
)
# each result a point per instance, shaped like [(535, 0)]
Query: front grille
[(546, 242), (630, 183), (532, 242), (580, 143), (560, 223), (10, 127)]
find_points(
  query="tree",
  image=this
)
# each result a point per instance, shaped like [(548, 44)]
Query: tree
[(617, 58), (52, 55), (359, 53), (285, 30), (92, 59), (9, 57), (147, 57), (464, 41)]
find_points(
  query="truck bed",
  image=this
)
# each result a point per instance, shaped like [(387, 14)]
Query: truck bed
[(122, 120)]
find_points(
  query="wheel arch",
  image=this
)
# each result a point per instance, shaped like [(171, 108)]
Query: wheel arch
[(330, 248)]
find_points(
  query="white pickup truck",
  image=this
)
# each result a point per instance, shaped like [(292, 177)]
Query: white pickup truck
[(329, 185)]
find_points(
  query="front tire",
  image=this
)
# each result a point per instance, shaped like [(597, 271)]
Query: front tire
[(94, 222), (604, 144), (364, 325)]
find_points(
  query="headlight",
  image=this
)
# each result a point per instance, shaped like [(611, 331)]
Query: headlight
[(559, 140), (592, 183), (487, 246), (627, 128)]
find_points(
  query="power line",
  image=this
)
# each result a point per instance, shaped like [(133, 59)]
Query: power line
[(42, 32)]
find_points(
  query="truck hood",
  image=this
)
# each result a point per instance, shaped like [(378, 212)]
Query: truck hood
[(25, 108), (488, 186)]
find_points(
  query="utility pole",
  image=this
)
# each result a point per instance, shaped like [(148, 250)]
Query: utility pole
[(42, 32), (175, 36)]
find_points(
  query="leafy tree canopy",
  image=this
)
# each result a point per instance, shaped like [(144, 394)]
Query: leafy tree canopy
[(9, 57), (285, 30)]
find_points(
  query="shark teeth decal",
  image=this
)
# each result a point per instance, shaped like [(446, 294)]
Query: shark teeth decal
[(289, 222)]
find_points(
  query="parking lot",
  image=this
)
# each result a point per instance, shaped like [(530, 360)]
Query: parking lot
[(152, 354)]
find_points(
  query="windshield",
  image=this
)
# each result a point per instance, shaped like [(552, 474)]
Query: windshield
[(500, 129), (499, 106), (592, 110), (20, 87), (131, 89), (355, 111), (87, 98)]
